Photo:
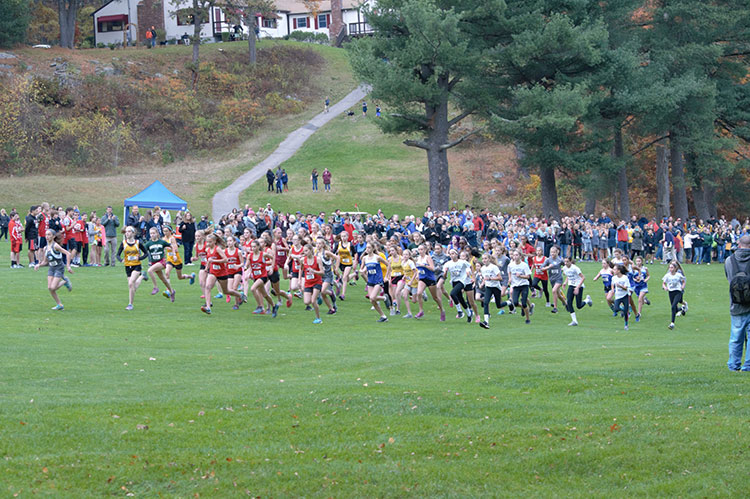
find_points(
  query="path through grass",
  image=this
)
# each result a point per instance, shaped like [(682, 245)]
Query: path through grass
[(165, 400)]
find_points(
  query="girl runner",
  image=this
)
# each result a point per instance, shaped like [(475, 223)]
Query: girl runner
[(200, 254), (256, 264), (621, 287), (397, 276), (293, 261), (492, 279), (674, 283), (426, 268), (574, 277), (174, 260), (640, 277), (520, 275), (313, 274), (156, 248), (540, 275), (344, 251), (280, 251), (328, 261), (373, 272), (234, 270), (410, 281), (134, 252), (606, 275), (216, 263), (53, 257), (462, 281), (440, 259), (553, 267)]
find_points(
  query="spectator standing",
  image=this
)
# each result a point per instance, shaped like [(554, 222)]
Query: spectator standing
[(203, 224), (4, 223), (314, 178), (278, 182), (328, 104), (326, 179), (270, 177), (31, 234), (739, 309), (187, 229), (110, 223), (285, 180), (133, 220)]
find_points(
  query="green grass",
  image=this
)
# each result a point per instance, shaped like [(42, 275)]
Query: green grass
[(238, 404), (370, 169)]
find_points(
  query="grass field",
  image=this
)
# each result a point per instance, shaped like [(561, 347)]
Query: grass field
[(164, 400)]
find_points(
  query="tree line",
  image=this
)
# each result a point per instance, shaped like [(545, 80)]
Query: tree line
[(584, 89)]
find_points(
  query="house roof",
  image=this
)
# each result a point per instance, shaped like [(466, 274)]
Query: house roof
[(298, 7), (100, 8)]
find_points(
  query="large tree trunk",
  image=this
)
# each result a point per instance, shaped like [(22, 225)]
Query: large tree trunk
[(709, 189), (66, 14), (437, 156), (550, 206), (662, 182), (622, 176), (699, 199), (590, 208), (678, 178), (251, 50), (197, 17), (520, 152)]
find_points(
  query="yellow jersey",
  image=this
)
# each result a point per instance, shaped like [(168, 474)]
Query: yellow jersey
[(172, 257), (131, 253), (396, 269), (345, 254)]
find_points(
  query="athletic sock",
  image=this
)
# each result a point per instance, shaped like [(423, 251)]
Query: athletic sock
[(458, 308), (573, 317), (486, 318), (468, 312)]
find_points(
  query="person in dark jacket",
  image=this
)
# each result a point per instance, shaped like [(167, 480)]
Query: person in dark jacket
[(270, 178), (740, 313), (4, 222), (187, 230)]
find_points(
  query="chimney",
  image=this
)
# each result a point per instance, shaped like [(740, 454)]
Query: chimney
[(337, 20), (150, 13)]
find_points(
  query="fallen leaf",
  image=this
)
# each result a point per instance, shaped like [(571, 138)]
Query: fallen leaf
[(391, 440), (201, 413), (141, 427), (45, 470), (152, 358)]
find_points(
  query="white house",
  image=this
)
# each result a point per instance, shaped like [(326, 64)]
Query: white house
[(119, 20)]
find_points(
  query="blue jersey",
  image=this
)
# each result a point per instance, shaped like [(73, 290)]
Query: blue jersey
[(374, 273), (425, 273), (607, 281)]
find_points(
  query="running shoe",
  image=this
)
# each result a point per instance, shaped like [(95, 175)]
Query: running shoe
[(68, 284), (192, 278), (460, 315), (318, 321), (145, 276), (548, 305), (289, 301), (235, 307), (58, 307), (478, 320), (258, 311), (393, 312), (171, 296), (408, 316), (229, 298), (484, 325), (275, 310), (671, 325), (308, 308), (528, 321), (468, 318), (573, 324), (203, 297), (442, 316), (450, 303), (206, 310), (554, 310), (154, 291), (511, 307), (320, 300), (298, 294), (332, 311), (165, 294), (614, 314), (588, 301), (647, 301), (129, 307), (243, 298), (341, 297), (626, 327), (388, 300), (220, 295), (500, 312), (398, 312), (684, 308), (637, 317), (419, 315), (531, 310), (383, 318)]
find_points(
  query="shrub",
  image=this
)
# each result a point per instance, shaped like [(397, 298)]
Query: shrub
[(49, 92), (322, 38)]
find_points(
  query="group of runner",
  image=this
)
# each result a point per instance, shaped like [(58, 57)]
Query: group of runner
[(320, 267)]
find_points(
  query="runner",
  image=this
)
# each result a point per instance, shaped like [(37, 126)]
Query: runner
[(134, 252), (621, 287), (553, 267), (462, 283), (606, 275), (234, 270), (53, 257), (371, 269), (16, 241), (280, 250), (640, 289), (440, 258), (426, 268), (410, 282), (255, 262), (216, 263), (574, 278), (397, 276), (674, 283), (174, 260), (538, 262), (156, 248), (313, 276), (328, 261), (520, 276), (293, 261), (200, 254)]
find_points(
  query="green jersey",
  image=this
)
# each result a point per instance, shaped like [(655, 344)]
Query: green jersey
[(155, 250)]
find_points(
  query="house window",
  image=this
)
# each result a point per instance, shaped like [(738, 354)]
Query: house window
[(302, 22), (107, 26), (269, 23), (185, 17), (322, 21)]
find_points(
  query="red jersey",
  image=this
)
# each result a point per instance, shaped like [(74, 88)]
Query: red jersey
[(349, 228), (217, 269), (282, 250), (270, 262), (79, 228), (67, 225), (295, 263), (15, 232), (311, 278), (538, 263), (234, 261), (43, 225), (200, 252), (257, 266)]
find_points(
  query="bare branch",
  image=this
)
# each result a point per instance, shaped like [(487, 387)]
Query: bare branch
[(459, 117), (459, 140), (640, 150), (417, 143)]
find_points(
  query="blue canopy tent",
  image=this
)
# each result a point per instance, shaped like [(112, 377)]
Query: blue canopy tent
[(154, 195)]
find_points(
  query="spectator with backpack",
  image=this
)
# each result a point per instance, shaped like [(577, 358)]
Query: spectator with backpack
[(737, 269)]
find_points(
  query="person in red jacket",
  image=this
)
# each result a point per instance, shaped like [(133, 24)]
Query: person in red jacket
[(16, 240)]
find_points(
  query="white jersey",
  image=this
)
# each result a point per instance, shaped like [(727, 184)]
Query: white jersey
[(459, 271), (674, 282), (624, 281), (491, 271), (573, 274), (515, 270)]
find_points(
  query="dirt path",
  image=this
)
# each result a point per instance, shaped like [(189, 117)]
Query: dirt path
[(227, 199)]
